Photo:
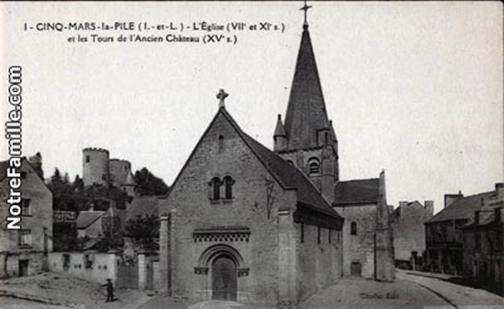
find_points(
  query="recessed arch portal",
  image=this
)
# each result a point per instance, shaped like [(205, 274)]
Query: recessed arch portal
[(223, 261)]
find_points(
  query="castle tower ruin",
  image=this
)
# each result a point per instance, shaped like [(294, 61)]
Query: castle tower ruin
[(95, 166)]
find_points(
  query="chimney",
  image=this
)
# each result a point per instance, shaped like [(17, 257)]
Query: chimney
[(429, 206), (36, 163), (499, 190), (403, 204), (450, 198)]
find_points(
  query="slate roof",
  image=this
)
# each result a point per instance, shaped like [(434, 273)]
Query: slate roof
[(142, 206), (462, 208), (86, 218), (356, 192), (288, 175), (306, 111)]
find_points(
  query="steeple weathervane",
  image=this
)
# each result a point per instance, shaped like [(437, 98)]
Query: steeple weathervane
[(222, 95), (305, 9)]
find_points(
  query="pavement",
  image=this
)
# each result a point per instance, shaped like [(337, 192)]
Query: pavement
[(49, 290), (458, 296), (409, 290), (362, 293)]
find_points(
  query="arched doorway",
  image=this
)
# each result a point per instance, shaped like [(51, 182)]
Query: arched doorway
[(224, 278)]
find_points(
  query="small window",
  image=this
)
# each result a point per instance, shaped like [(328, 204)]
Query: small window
[(326, 138), (25, 205), (221, 142), (302, 232), (23, 175), (329, 235), (215, 184), (318, 234), (228, 187), (353, 228), (24, 238), (88, 158), (88, 261), (313, 166)]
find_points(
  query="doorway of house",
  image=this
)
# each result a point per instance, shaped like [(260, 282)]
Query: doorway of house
[(224, 281), (23, 267), (356, 269)]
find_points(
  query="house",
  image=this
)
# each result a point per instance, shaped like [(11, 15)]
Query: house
[(408, 223), (444, 236), (24, 251), (483, 243)]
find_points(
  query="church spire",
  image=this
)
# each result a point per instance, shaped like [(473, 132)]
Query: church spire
[(306, 113)]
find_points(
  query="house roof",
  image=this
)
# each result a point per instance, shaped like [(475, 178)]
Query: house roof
[(356, 192), (306, 111), (142, 206), (87, 217), (462, 208)]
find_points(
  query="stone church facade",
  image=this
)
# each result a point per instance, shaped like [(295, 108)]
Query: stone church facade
[(245, 223)]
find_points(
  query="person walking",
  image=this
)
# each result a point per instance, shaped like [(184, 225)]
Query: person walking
[(110, 290)]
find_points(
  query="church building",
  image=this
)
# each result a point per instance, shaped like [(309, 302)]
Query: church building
[(245, 223)]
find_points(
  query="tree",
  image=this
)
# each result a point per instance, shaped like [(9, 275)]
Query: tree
[(56, 177), (143, 230), (148, 184), (78, 184)]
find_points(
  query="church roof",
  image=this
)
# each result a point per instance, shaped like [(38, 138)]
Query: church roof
[(306, 112), (356, 192), (288, 175), (462, 208)]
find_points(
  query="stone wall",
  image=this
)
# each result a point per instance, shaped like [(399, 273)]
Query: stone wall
[(9, 263), (359, 248), (318, 263), (102, 267)]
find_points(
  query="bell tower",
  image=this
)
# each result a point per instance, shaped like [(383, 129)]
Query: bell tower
[(306, 138)]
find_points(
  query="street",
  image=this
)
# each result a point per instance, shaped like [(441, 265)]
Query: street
[(409, 290)]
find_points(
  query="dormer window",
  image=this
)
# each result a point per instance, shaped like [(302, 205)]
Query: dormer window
[(313, 166)]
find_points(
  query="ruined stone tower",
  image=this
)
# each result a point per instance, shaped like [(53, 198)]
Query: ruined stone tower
[(306, 139), (95, 166)]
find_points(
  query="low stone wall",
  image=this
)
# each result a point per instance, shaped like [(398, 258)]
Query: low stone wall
[(91, 266)]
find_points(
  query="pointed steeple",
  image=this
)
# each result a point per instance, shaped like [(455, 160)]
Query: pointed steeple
[(306, 112), (279, 129)]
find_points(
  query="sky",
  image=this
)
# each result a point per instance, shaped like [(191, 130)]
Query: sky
[(412, 88)]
